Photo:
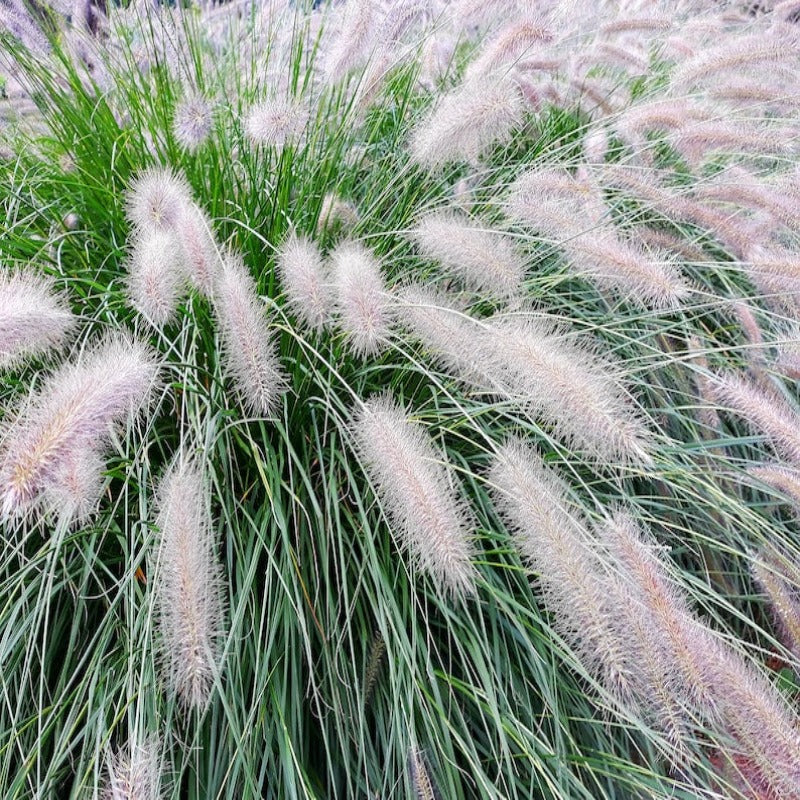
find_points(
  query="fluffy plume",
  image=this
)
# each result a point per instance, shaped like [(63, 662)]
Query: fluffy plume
[(780, 477), (156, 275), (486, 260), (735, 53), (509, 45), (156, 199), (645, 187), (188, 585), (776, 274), (250, 354), (467, 122), (335, 211), (201, 254), (759, 732), (192, 123), (305, 281), (788, 358), (278, 122), (766, 412), (782, 596), (671, 642), (566, 385), (428, 517), (357, 30), (750, 717), (571, 211), (554, 539), (554, 379), (361, 297), (76, 485), (135, 773), (698, 141), (556, 202), (739, 187), (33, 316), (75, 410)]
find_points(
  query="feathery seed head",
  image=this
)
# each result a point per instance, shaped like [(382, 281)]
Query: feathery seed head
[(135, 773), (201, 253), (74, 491), (278, 122), (188, 585), (765, 412), (304, 281), (156, 275), (250, 353), (554, 540), (485, 259), (465, 123), (156, 198), (362, 300), (74, 410), (569, 387), (33, 316), (194, 117), (335, 212), (428, 518)]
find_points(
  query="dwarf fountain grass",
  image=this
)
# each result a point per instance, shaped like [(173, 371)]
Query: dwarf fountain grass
[(431, 589)]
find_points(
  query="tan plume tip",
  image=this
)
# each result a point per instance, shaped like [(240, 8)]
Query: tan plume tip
[(414, 483), (249, 351), (362, 300), (553, 538), (305, 281), (485, 259), (467, 122), (765, 412), (188, 585), (75, 409), (156, 198), (34, 317), (277, 122), (156, 274), (134, 773)]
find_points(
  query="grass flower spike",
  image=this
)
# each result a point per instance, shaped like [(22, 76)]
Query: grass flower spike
[(188, 585), (33, 317), (249, 350), (75, 409), (427, 516), (362, 300)]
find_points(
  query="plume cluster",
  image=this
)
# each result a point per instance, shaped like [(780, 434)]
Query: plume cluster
[(63, 428)]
